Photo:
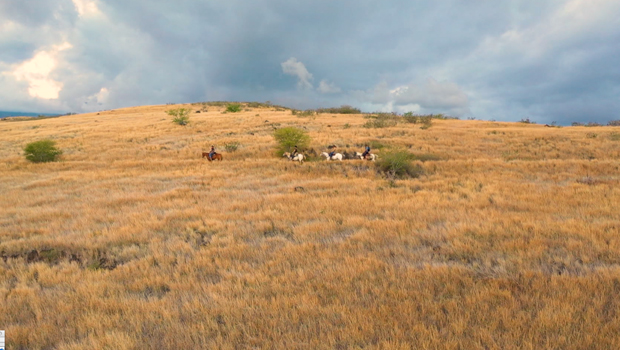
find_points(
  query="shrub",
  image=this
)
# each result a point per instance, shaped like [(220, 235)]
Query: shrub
[(527, 121), (232, 146), (577, 124), (427, 121), (381, 120), (593, 124), (289, 137), (302, 114), (42, 151), (614, 136), (233, 107), (344, 109), (181, 115), (613, 123), (409, 117), (398, 164)]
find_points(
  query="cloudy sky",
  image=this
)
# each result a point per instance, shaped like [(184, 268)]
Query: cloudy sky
[(547, 60)]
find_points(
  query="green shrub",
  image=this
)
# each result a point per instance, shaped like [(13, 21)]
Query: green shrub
[(409, 117), (289, 137), (398, 164), (302, 114), (232, 146), (614, 136), (344, 109), (42, 151), (233, 108), (181, 115), (527, 121), (381, 120)]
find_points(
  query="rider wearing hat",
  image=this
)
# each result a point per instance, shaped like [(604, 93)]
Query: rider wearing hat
[(212, 152)]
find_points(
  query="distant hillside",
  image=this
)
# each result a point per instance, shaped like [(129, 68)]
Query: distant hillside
[(4, 114)]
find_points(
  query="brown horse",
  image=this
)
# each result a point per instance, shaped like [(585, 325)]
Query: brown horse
[(216, 156)]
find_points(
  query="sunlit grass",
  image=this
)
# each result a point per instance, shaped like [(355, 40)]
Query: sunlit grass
[(509, 239)]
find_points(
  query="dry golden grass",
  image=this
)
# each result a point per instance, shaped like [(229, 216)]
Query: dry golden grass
[(132, 241)]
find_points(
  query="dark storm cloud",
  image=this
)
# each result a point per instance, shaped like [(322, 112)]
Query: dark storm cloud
[(546, 60)]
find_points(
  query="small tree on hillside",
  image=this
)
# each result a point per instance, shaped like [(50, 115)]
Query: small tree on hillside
[(181, 115), (289, 137), (397, 164), (233, 107), (42, 151)]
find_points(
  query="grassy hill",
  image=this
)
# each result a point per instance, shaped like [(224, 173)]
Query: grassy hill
[(510, 239)]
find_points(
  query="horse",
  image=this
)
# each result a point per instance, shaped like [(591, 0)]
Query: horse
[(370, 156), (336, 156), (216, 156), (298, 157)]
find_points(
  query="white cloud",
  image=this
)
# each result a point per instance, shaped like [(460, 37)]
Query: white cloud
[(328, 88), (36, 72), (298, 69), (86, 7), (430, 97)]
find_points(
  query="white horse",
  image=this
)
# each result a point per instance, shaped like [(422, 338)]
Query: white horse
[(336, 156), (370, 156), (298, 157)]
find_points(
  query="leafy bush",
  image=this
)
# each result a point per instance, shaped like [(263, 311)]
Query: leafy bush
[(233, 108), (593, 124), (344, 109), (289, 137), (410, 117), (577, 124), (398, 164), (614, 136), (302, 114), (181, 115), (378, 123), (527, 121), (232, 146), (42, 151), (381, 120), (427, 122)]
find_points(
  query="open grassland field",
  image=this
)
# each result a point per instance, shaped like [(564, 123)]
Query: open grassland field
[(509, 240)]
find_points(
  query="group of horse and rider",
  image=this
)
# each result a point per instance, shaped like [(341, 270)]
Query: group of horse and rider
[(333, 155), (296, 156)]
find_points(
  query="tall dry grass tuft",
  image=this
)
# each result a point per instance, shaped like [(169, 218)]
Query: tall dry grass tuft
[(134, 241)]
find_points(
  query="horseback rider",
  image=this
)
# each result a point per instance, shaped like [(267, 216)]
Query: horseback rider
[(294, 153), (331, 154), (211, 152), (366, 152)]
